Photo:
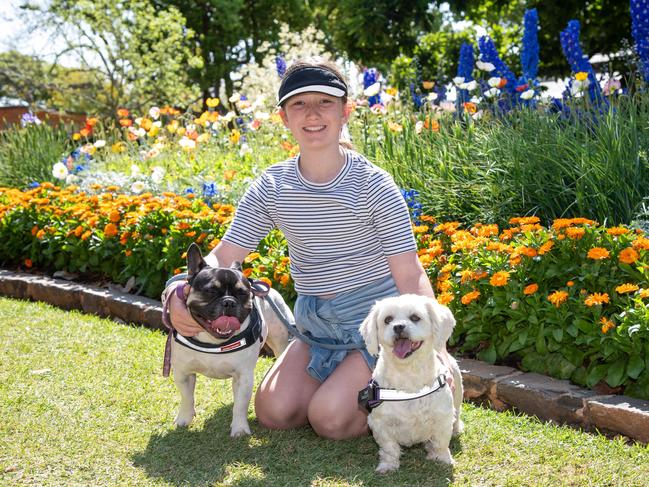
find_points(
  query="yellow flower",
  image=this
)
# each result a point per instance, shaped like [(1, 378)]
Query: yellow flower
[(212, 102), (76, 136), (581, 76), (499, 279), (428, 85), (606, 324), (420, 228), (626, 288), (596, 299), (235, 135), (395, 127), (558, 298), (470, 297), (629, 255), (598, 253), (252, 256), (643, 293), (391, 91), (531, 289)]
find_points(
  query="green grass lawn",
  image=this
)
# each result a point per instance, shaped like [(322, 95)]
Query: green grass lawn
[(83, 402)]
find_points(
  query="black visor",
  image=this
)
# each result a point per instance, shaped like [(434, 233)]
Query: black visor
[(311, 79)]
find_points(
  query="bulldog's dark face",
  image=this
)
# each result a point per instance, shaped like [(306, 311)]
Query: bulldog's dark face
[(220, 299)]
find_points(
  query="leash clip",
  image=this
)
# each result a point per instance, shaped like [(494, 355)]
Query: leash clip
[(368, 398)]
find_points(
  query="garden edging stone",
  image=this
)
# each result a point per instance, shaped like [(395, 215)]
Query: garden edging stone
[(497, 386)]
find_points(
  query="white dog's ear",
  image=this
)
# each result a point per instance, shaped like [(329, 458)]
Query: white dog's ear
[(370, 331), (443, 323)]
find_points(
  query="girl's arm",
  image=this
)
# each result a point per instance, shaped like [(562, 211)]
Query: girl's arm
[(409, 275)]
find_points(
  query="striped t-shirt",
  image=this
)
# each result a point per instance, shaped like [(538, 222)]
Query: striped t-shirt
[(339, 233)]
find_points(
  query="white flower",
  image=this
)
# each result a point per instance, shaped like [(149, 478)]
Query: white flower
[(247, 110), (157, 123), (234, 98), (458, 80), (432, 96), (245, 149), (419, 126), (491, 92), (154, 113), (100, 143), (137, 187), (229, 116), (372, 90), (476, 100), (135, 170), (386, 98), (494, 81), (140, 132), (157, 174), (488, 67), (187, 143), (527, 95), (471, 85), (138, 121), (59, 171), (262, 116)]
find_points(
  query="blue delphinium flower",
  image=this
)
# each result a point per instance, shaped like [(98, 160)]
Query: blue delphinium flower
[(489, 54), (464, 70), (530, 50), (417, 99), (578, 60), (371, 76), (640, 32), (280, 65), (34, 184), (210, 191), (414, 206)]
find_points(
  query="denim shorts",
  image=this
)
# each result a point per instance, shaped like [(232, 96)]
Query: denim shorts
[(337, 320)]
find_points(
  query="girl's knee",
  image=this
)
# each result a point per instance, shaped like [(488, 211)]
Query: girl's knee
[(336, 424), (274, 413)]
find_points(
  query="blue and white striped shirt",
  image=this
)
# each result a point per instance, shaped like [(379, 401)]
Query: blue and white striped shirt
[(339, 233)]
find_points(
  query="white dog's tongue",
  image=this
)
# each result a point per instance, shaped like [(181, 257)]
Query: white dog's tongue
[(226, 323), (404, 347)]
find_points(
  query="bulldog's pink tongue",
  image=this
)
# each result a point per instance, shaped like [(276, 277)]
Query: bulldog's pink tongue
[(226, 323), (404, 347)]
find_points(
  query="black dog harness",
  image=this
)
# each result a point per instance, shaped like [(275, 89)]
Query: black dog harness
[(373, 395)]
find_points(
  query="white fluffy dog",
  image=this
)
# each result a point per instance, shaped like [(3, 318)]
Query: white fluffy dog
[(409, 333)]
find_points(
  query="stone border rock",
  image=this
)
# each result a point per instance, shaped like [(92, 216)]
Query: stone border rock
[(499, 387)]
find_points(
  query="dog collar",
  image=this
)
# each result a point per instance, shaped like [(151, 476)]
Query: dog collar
[(373, 395), (245, 339)]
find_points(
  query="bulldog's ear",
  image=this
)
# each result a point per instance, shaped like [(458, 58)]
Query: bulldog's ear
[(236, 265), (442, 321), (195, 261), (370, 331)]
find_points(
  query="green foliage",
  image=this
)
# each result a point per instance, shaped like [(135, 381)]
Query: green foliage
[(606, 23), (129, 53), (28, 154), (589, 164)]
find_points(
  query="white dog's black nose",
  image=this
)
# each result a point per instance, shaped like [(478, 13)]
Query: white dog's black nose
[(398, 329)]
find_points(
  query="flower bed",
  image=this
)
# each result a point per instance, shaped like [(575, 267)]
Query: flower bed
[(567, 300)]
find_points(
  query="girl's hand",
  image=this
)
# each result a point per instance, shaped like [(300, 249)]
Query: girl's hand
[(181, 319)]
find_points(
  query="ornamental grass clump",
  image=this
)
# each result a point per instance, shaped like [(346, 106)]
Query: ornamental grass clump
[(570, 300)]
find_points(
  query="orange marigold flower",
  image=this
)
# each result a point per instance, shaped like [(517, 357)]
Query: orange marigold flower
[(34, 230), (641, 243), (606, 324), (122, 112), (28, 263), (596, 299), (466, 276), (617, 231), (628, 255), (643, 293), (445, 298), (190, 234), (524, 220), (110, 230), (284, 279), (626, 288), (528, 251), (114, 216), (266, 280), (558, 298), (419, 228), (444, 286), (470, 107), (468, 298), (247, 272), (560, 223), (500, 278), (427, 218), (598, 253), (251, 257), (570, 283), (177, 270), (530, 289), (128, 252), (40, 234), (575, 233), (546, 247)]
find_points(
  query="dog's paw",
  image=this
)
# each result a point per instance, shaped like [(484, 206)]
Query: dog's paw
[(443, 456), (385, 467), (458, 427), (238, 431), (184, 418)]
